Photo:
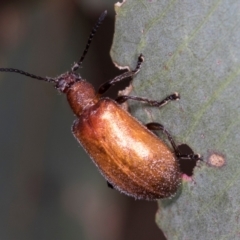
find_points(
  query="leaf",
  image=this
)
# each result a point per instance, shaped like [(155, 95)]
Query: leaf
[(193, 48)]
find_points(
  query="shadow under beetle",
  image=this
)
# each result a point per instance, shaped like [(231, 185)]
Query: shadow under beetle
[(128, 154)]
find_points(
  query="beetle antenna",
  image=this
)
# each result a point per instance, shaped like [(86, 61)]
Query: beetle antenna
[(77, 65), (47, 79)]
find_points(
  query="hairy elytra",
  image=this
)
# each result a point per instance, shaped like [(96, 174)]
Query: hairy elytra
[(128, 154)]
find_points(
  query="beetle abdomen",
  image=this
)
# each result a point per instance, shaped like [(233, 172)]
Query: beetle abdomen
[(130, 157)]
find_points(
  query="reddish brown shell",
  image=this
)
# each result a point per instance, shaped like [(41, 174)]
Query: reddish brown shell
[(129, 156)]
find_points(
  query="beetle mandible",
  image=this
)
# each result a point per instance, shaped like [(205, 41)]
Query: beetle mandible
[(128, 154)]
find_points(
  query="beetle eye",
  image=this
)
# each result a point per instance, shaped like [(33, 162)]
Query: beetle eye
[(62, 85)]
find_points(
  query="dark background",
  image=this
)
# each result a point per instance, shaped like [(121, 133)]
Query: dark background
[(49, 188)]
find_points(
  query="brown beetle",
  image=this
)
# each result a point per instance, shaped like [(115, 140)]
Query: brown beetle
[(131, 158)]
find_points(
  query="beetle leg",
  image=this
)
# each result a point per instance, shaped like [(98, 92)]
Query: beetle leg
[(153, 126), (177, 149), (172, 97), (105, 86), (110, 185)]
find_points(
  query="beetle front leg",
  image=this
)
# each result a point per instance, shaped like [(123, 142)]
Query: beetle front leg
[(105, 86)]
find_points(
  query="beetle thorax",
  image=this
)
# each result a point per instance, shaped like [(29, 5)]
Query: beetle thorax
[(81, 95)]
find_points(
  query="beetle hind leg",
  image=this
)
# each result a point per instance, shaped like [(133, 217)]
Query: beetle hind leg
[(182, 151)]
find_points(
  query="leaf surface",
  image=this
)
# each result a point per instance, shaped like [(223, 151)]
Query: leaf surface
[(193, 48)]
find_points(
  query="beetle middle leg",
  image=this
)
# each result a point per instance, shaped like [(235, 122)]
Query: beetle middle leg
[(172, 97)]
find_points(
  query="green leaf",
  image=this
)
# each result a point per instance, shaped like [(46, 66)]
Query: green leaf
[(193, 48)]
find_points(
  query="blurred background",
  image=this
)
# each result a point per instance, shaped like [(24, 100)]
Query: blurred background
[(49, 187)]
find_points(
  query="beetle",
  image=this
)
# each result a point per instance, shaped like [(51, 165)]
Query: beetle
[(129, 155)]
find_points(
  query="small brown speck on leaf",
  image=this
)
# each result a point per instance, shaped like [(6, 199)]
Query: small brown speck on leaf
[(216, 160)]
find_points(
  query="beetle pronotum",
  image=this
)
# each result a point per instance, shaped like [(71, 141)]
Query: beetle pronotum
[(131, 158)]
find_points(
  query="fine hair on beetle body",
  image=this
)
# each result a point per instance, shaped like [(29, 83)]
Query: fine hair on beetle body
[(129, 155)]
